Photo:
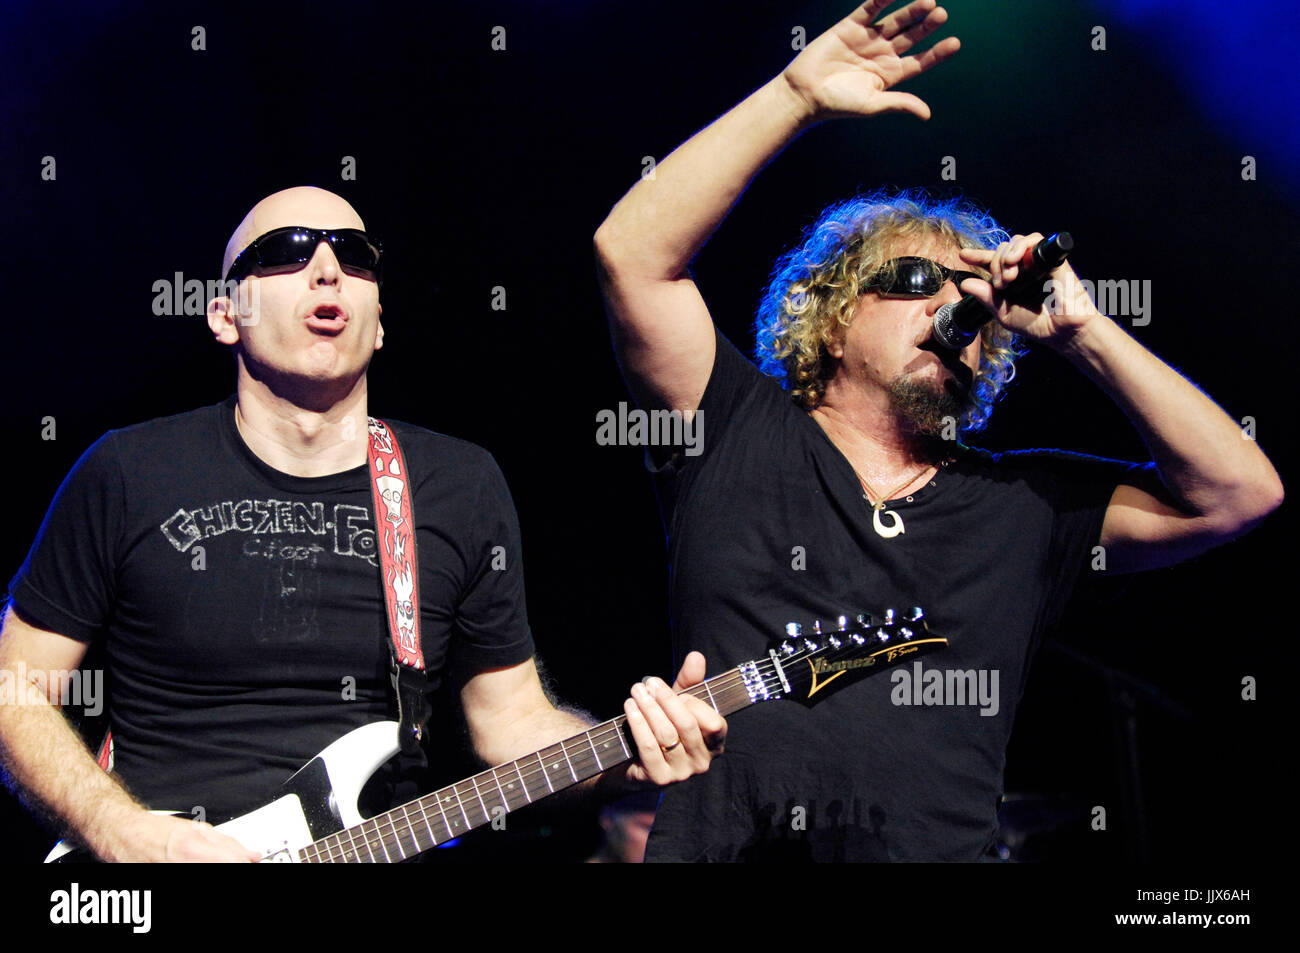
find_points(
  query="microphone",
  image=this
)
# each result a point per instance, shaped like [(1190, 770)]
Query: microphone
[(956, 324)]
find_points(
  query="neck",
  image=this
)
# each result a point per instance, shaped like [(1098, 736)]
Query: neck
[(881, 447), (303, 441)]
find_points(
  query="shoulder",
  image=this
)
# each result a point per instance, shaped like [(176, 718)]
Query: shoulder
[(191, 424), (168, 438), (1044, 460), (449, 467), (441, 449), (1065, 478)]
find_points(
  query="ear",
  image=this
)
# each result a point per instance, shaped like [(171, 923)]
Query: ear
[(222, 319), (379, 330), (835, 346)]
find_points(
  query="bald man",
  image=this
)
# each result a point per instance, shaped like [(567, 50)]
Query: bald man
[(227, 559)]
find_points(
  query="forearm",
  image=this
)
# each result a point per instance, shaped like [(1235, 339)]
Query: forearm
[(659, 226), (58, 774), (541, 729), (1206, 462)]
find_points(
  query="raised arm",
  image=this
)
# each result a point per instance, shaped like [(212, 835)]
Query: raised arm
[(57, 772), (662, 330), (1216, 483)]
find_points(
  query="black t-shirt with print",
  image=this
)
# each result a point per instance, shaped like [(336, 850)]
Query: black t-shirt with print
[(241, 607), (768, 525)]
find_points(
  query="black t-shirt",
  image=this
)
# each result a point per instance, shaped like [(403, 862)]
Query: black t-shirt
[(768, 525), (241, 606)]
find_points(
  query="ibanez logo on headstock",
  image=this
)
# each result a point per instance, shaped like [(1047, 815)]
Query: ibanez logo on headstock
[(811, 664)]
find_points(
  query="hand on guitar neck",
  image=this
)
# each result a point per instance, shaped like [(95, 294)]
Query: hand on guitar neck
[(677, 734)]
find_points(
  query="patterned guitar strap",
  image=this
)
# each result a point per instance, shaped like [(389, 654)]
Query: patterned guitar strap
[(400, 574)]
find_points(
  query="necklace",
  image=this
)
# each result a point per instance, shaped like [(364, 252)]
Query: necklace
[(878, 510)]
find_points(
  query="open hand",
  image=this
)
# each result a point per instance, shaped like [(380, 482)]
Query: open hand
[(849, 70)]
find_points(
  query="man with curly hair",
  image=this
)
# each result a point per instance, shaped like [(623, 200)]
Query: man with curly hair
[(835, 482), (232, 666)]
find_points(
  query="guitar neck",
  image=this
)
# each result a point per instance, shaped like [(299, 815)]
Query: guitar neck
[(436, 818)]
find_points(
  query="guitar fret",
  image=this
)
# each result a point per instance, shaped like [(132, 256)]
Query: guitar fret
[(410, 828), (594, 753), (568, 762), (522, 783), (424, 816), (604, 743), (545, 777), (479, 794), (461, 805), (501, 791), (708, 691), (397, 834), (445, 823), (367, 839)]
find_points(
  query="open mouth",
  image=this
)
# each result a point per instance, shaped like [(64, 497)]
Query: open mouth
[(328, 319)]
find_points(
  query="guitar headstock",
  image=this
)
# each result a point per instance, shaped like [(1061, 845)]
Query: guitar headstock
[(812, 662)]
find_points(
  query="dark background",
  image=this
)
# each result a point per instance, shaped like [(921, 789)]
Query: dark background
[(482, 168)]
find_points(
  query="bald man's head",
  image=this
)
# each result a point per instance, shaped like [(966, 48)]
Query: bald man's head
[(302, 205)]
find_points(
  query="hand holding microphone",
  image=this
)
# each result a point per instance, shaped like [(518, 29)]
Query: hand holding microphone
[(957, 324)]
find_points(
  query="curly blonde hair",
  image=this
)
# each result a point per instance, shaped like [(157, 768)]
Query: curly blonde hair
[(815, 286)]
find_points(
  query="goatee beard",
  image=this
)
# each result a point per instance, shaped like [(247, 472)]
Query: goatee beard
[(929, 411)]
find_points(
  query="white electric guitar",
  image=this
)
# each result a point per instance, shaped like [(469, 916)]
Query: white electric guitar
[(314, 817)]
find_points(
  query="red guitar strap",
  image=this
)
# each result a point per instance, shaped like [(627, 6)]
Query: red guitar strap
[(399, 571)]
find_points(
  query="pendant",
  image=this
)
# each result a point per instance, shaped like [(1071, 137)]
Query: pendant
[(888, 532)]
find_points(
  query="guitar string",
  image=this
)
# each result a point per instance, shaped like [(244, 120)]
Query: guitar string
[(374, 835), (372, 828), (413, 814)]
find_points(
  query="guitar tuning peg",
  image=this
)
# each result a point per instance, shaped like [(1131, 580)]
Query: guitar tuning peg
[(864, 620), (843, 623), (817, 627), (915, 614), (793, 629), (889, 617), (906, 633)]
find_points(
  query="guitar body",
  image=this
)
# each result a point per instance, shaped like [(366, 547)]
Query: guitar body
[(320, 799)]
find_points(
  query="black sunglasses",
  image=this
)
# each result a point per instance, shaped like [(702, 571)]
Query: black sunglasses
[(283, 250), (913, 277)]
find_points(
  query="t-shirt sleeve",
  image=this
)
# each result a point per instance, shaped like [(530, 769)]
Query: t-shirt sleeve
[(491, 626), (735, 383), (68, 582), (1079, 488)]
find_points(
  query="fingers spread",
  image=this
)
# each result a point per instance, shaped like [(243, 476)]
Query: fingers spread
[(866, 14), (910, 16), (935, 55), (916, 32)]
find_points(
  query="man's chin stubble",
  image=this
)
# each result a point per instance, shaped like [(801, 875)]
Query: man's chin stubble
[(929, 410)]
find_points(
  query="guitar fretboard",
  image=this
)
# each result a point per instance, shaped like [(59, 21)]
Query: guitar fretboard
[(438, 817)]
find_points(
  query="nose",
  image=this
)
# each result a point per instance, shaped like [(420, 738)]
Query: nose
[(324, 268), (948, 294)]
